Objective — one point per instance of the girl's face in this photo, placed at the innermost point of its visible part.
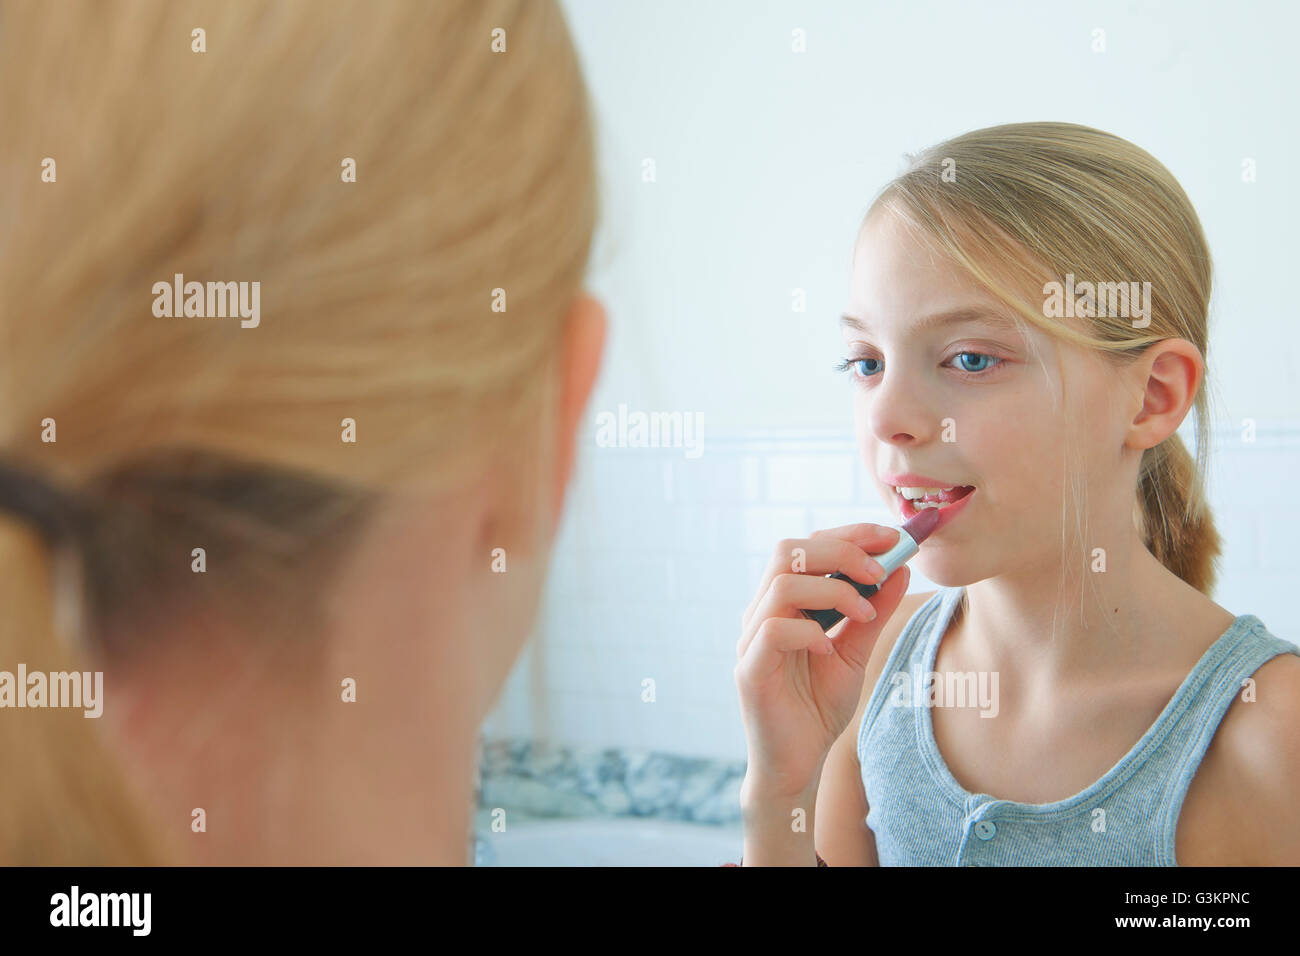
(948, 389)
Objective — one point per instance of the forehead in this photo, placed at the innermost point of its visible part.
(896, 274)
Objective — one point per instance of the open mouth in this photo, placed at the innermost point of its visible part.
(915, 500)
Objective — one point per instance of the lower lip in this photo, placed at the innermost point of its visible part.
(946, 515)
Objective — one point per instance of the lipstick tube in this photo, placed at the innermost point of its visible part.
(915, 530)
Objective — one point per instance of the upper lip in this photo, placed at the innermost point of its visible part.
(910, 480)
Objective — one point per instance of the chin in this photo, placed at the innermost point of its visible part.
(946, 573)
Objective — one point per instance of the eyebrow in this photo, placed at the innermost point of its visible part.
(966, 314)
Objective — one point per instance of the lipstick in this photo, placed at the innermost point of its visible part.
(915, 530)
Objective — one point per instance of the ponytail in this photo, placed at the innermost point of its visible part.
(1173, 516)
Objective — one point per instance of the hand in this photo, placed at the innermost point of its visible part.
(799, 686)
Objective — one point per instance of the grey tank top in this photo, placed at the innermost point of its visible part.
(921, 816)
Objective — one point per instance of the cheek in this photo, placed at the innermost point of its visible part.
(1027, 413)
(1016, 445)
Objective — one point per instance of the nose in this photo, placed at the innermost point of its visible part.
(900, 412)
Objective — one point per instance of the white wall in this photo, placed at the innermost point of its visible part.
(766, 161)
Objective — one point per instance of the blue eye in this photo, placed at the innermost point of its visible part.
(861, 368)
(981, 366)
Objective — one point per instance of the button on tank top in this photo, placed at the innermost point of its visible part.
(921, 816)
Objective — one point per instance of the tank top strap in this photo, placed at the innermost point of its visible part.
(908, 650)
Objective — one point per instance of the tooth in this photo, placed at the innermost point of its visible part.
(918, 505)
(909, 492)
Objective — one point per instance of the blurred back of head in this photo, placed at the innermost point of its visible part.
(424, 302)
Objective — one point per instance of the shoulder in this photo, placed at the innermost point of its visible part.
(1262, 726)
(1251, 767)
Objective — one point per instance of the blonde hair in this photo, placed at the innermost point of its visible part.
(1023, 203)
(474, 173)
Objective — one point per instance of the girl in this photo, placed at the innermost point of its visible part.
(1005, 345)
(286, 533)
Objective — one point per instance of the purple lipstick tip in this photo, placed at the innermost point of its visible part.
(921, 524)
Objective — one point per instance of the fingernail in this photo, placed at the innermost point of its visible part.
(866, 608)
(875, 569)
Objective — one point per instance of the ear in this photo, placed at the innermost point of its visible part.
(1166, 377)
(584, 344)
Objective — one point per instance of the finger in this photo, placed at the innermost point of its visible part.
(775, 638)
(789, 593)
(855, 638)
(821, 556)
(786, 559)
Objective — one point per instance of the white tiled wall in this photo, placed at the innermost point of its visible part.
(660, 554)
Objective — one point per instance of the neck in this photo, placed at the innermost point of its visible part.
(284, 779)
(395, 805)
(1062, 625)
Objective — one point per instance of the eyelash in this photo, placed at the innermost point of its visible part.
(847, 366)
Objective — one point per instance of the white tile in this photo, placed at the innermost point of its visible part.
(629, 473)
(1276, 549)
(751, 479)
(711, 479)
(692, 528)
(710, 576)
(764, 527)
(813, 479)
